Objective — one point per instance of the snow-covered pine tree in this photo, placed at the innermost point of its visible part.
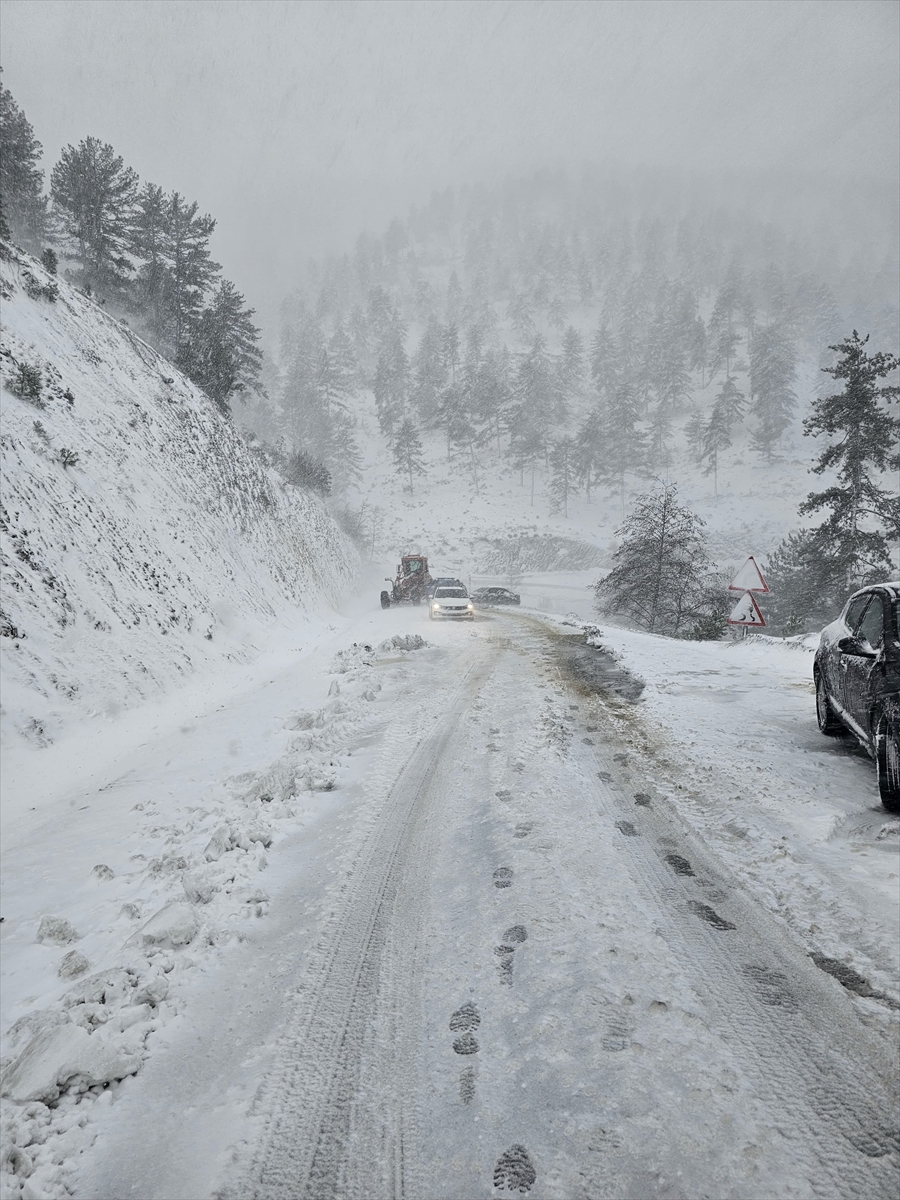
(563, 473)
(605, 365)
(660, 567)
(429, 373)
(93, 202)
(862, 515)
(21, 178)
(716, 432)
(571, 363)
(624, 442)
(407, 451)
(192, 271)
(223, 356)
(772, 371)
(391, 384)
(149, 245)
(589, 448)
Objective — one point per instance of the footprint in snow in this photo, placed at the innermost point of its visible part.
(503, 794)
(617, 1035)
(605, 776)
(679, 865)
(467, 1085)
(523, 829)
(514, 1170)
(710, 915)
(465, 1018)
(503, 877)
(514, 936)
(627, 828)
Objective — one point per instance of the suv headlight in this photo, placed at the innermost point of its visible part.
(470, 606)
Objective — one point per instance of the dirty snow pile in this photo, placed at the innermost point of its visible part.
(87, 986)
(141, 539)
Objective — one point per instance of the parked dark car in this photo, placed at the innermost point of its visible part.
(857, 675)
(495, 595)
(442, 581)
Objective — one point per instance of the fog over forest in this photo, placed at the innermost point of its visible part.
(299, 126)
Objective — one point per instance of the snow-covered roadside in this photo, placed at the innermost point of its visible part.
(726, 732)
(128, 876)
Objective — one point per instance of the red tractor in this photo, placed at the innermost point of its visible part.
(411, 584)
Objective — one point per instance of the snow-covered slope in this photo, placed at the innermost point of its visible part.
(161, 547)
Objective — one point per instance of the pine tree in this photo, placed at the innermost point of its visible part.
(571, 363)
(191, 269)
(535, 405)
(223, 356)
(862, 515)
(94, 195)
(716, 433)
(21, 178)
(407, 450)
(563, 473)
(716, 438)
(772, 371)
(605, 364)
(657, 580)
(149, 244)
(391, 385)
(625, 444)
(429, 373)
(694, 430)
(589, 448)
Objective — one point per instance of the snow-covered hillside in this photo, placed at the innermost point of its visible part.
(141, 538)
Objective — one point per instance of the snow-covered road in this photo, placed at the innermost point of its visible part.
(497, 957)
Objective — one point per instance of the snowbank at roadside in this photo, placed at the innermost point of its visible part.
(164, 868)
(141, 539)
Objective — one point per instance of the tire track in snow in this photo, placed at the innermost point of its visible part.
(336, 1118)
(813, 1060)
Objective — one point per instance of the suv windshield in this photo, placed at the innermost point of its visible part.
(451, 593)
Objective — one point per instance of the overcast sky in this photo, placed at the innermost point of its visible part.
(297, 124)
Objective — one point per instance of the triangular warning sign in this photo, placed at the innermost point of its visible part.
(749, 578)
(746, 612)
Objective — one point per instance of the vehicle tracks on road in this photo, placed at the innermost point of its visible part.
(335, 1118)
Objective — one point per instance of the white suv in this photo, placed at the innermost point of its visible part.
(451, 602)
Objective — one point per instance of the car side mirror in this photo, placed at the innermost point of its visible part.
(852, 645)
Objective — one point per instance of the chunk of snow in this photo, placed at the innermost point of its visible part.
(56, 1056)
(74, 963)
(173, 926)
(56, 930)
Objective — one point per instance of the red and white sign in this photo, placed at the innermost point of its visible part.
(749, 578)
(746, 612)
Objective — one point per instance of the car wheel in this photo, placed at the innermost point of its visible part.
(385, 600)
(829, 724)
(887, 763)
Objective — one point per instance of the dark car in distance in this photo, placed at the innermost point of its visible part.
(495, 595)
(442, 581)
(857, 677)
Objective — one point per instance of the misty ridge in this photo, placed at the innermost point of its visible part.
(592, 334)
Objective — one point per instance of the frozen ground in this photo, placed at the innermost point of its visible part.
(455, 920)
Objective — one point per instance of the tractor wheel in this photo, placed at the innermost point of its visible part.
(385, 599)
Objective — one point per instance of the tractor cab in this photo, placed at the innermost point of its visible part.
(411, 581)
